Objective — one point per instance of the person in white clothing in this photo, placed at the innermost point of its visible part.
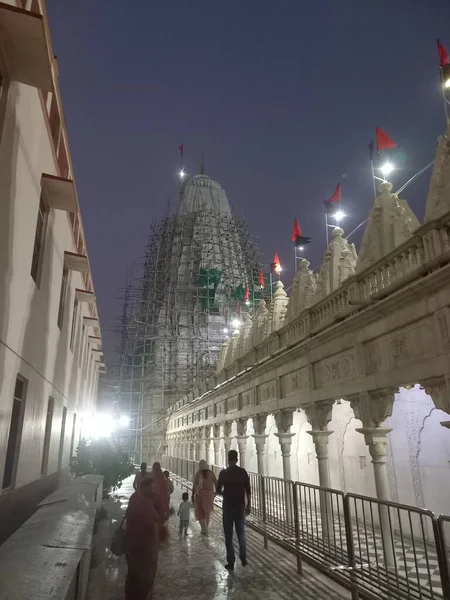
(184, 512)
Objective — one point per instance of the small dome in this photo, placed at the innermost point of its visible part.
(201, 193)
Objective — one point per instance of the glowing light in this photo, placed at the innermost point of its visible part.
(124, 421)
(99, 426)
(182, 174)
(447, 83)
(339, 215)
(247, 302)
(236, 323)
(225, 330)
(301, 248)
(387, 168)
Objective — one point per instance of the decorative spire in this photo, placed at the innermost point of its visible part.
(338, 264)
(391, 222)
(202, 165)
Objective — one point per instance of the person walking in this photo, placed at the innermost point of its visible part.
(203, 493)
(234, 486)
(183, 512)
(140, 476)
(144, 515)
(163, 491)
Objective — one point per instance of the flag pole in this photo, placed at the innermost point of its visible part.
(326, 227)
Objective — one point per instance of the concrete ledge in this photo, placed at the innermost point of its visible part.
(50, 554)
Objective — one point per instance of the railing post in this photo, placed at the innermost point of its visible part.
(296, 528)
(263, 510)
(439, 536)
(350, 549)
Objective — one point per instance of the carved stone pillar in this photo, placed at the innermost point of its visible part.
(206, 443)
(260, 437)
(319, 415)
(242, 437)
(227, 436)
(192, 444)
(216, 442)
(284, 421)
(373, 408)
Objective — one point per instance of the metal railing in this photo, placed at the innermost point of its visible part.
(375, 548)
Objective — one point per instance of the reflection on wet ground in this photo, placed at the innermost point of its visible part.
(192, 568)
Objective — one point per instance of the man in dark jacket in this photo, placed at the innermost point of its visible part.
(234, 486)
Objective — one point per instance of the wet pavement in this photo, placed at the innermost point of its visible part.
(192, 568)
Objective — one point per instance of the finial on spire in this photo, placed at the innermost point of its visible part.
(202, 165)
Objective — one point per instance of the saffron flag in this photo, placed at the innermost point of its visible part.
(384, 142)
(276, 265)
(296, 232)
(246, 295)
(336, 197)
(444, 59)
(181, 149)
(261, 279)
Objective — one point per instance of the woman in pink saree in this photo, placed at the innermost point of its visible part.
(203, 494)
(163, 491)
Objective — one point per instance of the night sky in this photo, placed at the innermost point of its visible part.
(282, 97)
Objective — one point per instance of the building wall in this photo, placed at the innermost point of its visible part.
(31, 343)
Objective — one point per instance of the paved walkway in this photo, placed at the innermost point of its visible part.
(192, 568)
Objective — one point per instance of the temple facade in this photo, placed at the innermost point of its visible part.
(345, 383)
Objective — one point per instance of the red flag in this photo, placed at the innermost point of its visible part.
(261, 279)
(384, 142)
(336, 197)
(181, 149)
(246, 295)
(296, 232)
(276, 264)
(443, 55)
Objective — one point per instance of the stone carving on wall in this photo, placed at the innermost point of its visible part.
(247, 398)
(319, 414)
(232, 404)
(438, 200)
(339, 367)
(245, 335)
(222, 361)
(391, 222)
(267, 391)
(297, 380)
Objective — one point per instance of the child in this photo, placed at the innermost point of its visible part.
(183, 513)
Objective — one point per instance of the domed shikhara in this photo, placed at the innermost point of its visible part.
(201, 193)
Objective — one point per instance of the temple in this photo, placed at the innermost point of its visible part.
(177, 313)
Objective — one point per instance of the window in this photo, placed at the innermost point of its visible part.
(81, 347)
(38, 240)
(74, 322)
(61, 439)
(15, 433)
(72, 441)
(47, 435)
(62, 296)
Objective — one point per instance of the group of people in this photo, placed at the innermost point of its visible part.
(149, 509)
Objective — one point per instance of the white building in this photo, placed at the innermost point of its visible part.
(50, 355)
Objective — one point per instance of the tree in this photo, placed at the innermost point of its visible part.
(102, 457)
